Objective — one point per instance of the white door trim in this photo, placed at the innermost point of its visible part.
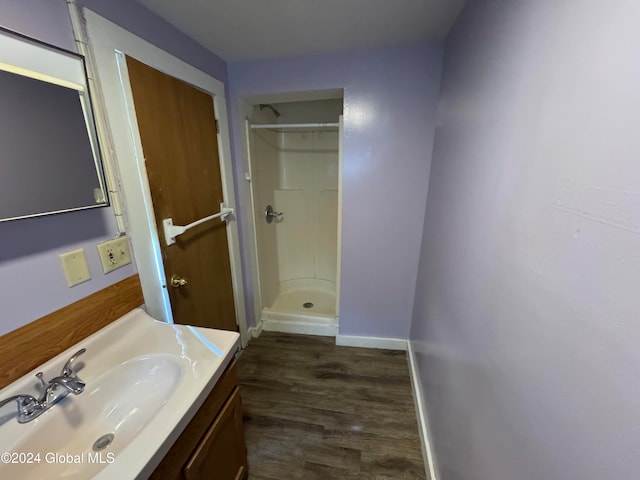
(251, 214)
(109, 43)
(339, 239)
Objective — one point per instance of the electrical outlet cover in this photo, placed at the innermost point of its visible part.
(114, 254)
(75, 267)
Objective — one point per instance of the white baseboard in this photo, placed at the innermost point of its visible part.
(371, 342)
(255, 332)
(423, 423)
(299, 327)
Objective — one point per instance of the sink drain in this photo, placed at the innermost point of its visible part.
(307, 305)
(103, 442)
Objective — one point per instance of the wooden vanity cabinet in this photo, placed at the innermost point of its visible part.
(212, 446)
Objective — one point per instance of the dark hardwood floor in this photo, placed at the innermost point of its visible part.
(313, 410)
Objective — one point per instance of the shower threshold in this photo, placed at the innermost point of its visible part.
(305, 324)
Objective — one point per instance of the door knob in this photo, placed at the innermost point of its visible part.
(177, 281)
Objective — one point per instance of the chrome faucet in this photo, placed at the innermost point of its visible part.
(30, 408)
(69, 385)
(68, 380)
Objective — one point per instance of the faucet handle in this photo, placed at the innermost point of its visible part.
(67, 371)
(26, 405)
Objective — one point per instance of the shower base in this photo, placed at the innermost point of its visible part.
(305, 307)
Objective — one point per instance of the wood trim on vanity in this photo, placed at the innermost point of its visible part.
(24, 349)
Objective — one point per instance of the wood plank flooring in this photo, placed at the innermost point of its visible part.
(313, 410)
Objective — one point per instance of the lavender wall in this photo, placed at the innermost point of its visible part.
(389, 108)
(45, 20)
(32, 283)
(526, 315)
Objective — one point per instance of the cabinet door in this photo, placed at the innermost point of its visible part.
(221, 455)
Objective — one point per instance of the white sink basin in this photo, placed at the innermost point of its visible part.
(144, 382)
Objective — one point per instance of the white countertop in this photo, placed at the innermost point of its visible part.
(194, 359)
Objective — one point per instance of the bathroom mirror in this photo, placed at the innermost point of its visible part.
(50, 158)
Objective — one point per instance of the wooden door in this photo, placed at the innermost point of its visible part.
(177, 127)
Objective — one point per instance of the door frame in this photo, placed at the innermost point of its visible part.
(253, 234)
(109, 44)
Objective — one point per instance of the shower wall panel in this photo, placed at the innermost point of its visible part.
(327, 235)
(295, 254)
(264, 160)
(308, 196)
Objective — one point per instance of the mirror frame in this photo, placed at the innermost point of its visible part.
(33, 58)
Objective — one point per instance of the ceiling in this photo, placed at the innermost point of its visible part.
(253, 29)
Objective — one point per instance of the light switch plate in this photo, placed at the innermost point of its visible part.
(75, 267)
(114, 254)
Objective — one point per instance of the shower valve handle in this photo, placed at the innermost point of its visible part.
(270, 214)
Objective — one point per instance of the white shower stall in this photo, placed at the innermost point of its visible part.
(294, 173)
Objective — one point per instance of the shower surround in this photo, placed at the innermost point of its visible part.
(296, 171)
